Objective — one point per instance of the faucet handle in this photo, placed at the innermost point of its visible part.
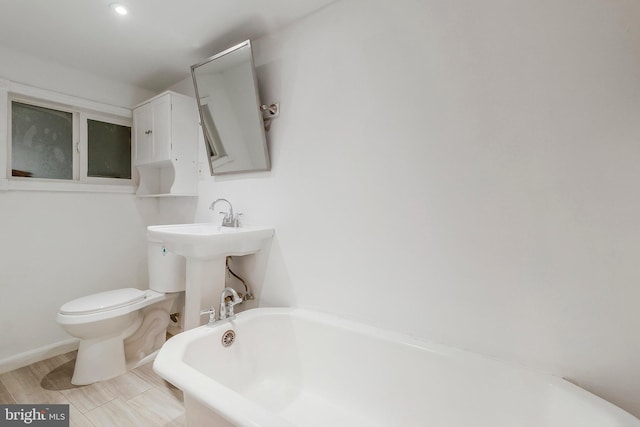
(227, 221)
(230, 219)
(211, 311)
(236, 220)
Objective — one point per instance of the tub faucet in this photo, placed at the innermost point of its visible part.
(230, 219)
(226, 307)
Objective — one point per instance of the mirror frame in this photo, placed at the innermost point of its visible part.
(209, 144)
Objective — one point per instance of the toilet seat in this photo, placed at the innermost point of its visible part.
(103, 301)
(97, 308)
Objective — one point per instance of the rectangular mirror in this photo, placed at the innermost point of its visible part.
(230, 116)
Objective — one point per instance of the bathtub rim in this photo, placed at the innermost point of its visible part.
(237, 409)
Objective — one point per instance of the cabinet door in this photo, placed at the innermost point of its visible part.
(162, 128)
(143, 136)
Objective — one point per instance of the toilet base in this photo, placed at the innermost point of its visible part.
(141, 334)
(110, 353)
(112, 341)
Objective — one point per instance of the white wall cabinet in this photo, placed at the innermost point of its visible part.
(165, 142)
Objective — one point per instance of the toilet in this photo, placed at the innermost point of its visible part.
(124, 328)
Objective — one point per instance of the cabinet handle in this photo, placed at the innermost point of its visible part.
(148, 132)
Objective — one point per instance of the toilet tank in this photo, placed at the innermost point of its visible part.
(167, 271)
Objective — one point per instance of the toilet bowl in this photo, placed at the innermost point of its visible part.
(123, 328)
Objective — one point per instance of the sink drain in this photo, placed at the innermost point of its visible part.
(228, 338)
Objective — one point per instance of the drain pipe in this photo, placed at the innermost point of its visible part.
(247, 293)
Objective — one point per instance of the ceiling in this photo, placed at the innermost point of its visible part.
(153, 46)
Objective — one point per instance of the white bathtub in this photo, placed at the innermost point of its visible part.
(292, 367)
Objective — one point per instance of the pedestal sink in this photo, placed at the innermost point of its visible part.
(205, 247)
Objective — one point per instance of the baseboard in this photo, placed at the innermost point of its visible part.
(38, 354)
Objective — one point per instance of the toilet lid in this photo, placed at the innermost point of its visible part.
(103, 301)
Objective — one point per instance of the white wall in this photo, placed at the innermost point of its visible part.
(60, 246)
(462, 171)
(27, 69)
(56, 246)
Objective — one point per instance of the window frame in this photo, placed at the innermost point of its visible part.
(82, 110)
(84, 148)
(74, 143)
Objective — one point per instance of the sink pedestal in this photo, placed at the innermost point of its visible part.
(204, 284)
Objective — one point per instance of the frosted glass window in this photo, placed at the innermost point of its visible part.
(109, 150)
(41, 142)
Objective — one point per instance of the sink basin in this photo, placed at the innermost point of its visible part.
(208, 241)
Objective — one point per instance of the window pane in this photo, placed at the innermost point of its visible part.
(41, 142)
(109, 150)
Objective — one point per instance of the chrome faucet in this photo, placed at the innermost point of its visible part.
(230, 219)
(226, 307)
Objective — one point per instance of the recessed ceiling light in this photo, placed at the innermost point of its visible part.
(119, 9)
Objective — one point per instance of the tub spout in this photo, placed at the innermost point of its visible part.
(226, 307)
